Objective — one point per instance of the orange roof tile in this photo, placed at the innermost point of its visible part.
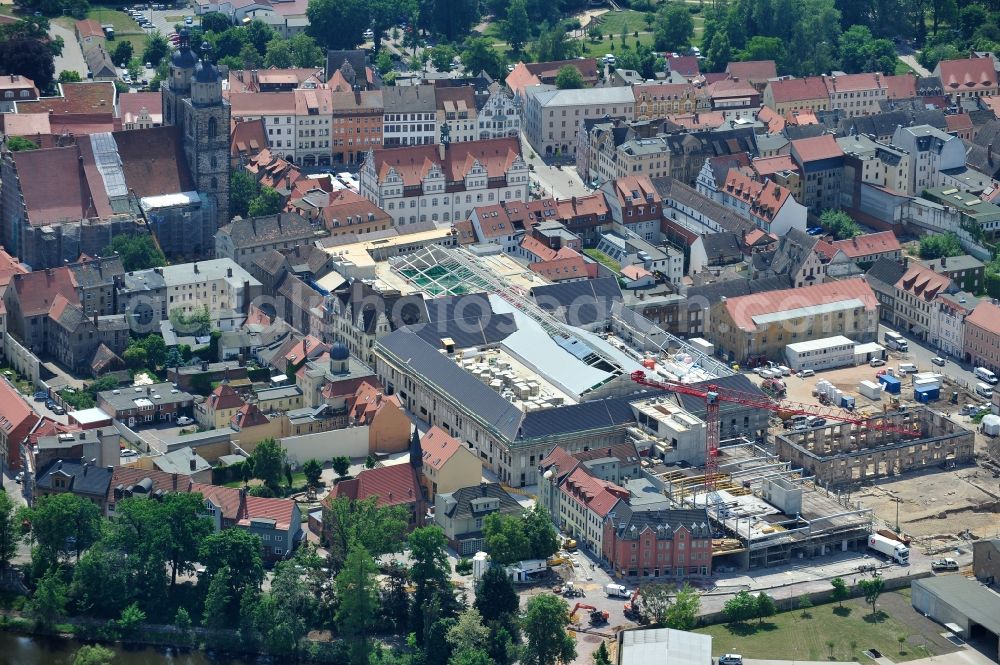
(393, 485)
(413, 163)
(799, 90)
(867, 245)
(986, 316)
(438, 447)
(765, 198)
(923, 283)
(967, 74)
(742, 309)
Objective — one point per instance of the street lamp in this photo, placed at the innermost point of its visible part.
(898, 501)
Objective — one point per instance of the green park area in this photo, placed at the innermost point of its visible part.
(835, 633)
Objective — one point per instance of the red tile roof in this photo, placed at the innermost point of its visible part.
(700, 120)
(438, 447)
(986, 316)
(923, 283)
(565, 268)
(128, 477)
(866, 245)
(765, 198)
(970, 74)
(582, 206)
(592, 493)
(368, 401)
(775, 121)
(685, 65)
(798, 90)
(279, 510)
(742, 309)
(635, 272)
(635, 190)
(153, 161)
(958, 122)
(854, 82)
(88, 97)
(37, 291)
(901, 86)
(25, 124)
(765, 166)
(60, 184)
(413, 163)
(9, 266)
(249, 415)
(227, 499)
(15, 412)
(248, 137)
(224, 397)
(393, 485)
(132, 103)
(816, 148)
(753, 71)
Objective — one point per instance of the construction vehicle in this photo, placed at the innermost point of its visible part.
(570, 590)
(631, 608)
(556, 560)
(569, 545)
(597, 617)
(715, 395)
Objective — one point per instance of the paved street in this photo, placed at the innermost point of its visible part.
(910, 60)
(552, 181)
(71, 59)
(921, 353)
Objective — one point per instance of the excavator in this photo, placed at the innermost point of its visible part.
(631, 609)
(597, 617)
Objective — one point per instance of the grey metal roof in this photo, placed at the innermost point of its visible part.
(964, 262)
(584, 302)
(969, 597)
(409, 99)
(254, 231)
(630, 522)
(80, 478)
(551, 96)
(409, 349)
(125, 397)
(462, 506)
(887, 271)
(596, 414)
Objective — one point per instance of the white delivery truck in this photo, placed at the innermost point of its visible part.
(893, 549)
(524, 572)
(895, 341)
(616, 591)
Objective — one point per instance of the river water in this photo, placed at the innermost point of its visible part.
(36, 650)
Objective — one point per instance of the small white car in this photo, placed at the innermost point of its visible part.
(128, 454)
(876, 362)
(807, 373)
(938, 360)
(184, 420)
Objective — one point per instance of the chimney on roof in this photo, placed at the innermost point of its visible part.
(149, 390)
(989, 153)
(482, 488)
(204, 365)
(229, 272)
(195, 267)
(442, 148)
(944, 261)
(194, 462)
(110, 468)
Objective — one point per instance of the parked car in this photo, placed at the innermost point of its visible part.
(806, 373)
(19, 478)
(58, 410)
(184, 420)
(50, 404)
(731, 659)
(938, 360)
(128, 454)
(188, 20)
(876, 362)
(41, 396)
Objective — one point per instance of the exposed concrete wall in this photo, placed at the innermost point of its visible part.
(843, 453)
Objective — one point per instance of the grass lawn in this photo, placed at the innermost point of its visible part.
(613, 22)
(902, 68)
(122, 22)
(601, 257)
(799, 636)
(592, 50)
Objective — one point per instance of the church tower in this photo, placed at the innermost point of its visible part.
(192, 101)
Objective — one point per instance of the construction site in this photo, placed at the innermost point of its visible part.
(842, 453)
(765, 511)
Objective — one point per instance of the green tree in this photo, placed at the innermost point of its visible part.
(30, 58)
(656, 602)
(282, 617)
(184, 528)
(429, 573)
(594, 33)
(268, 202)
(496, 598)
(380, 530)
(764, 606)
(569, 78)
(468, 633)
(971, 18)
(156, 49)
(305, 52)
(872, 588)
(544, 625)
(471, 657)
(48, 603)
(69, 76)
(442, 56)
(839, 591)
(197, 323)
(312, 470)
(357, 590)
(934, 246)
(479, 56)
(505, 538)
(840, 224)
(64, 524)
(121, 53)
(601, 656)
(130, 619)
(674, 27)
(516, 28)
(138, 252)
(683, 613)
(269, 462)
(329, 18)
(861, 52)
(553, 43)
(541, 533)
(764, 48)
(341, 465)
(740, 607)
(138, 533)
(10, 534)
(278, 54)
(135, 357)
(20, 144)
(93, 655)
(249, 57)
(182, 620)
(239, 552)
(370, 462)
(383, 62)
(242, 190)
(218, 600)
(719, 51)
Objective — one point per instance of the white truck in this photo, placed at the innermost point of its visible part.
(524, 572)
(893, 549)
(616, 591)
(895, 341)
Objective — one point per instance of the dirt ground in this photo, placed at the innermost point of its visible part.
(938, 508)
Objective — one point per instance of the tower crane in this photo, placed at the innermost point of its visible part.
(715, 395)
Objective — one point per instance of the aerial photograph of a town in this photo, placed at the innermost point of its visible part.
(500, 332)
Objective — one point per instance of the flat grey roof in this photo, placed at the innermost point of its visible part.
(969, 597)
(657, 646)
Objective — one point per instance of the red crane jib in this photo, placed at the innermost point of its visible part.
(714, 395)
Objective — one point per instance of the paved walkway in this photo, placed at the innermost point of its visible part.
(71, 59)
(911, 62)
